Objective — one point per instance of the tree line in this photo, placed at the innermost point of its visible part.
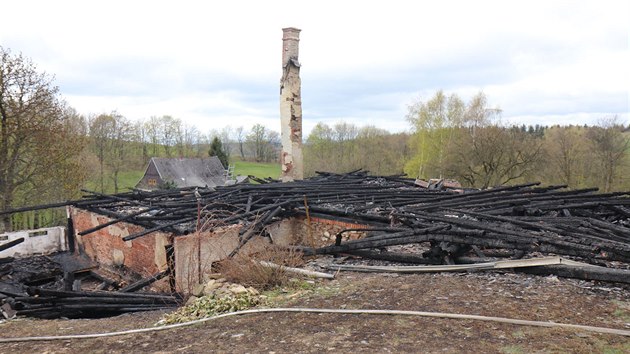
(467, 141)
(49, 152)
(478, 151)
(117, 144)
(345, 147)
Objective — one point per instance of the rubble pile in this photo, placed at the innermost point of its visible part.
(511, 221)
(50, 287)
(403, 220)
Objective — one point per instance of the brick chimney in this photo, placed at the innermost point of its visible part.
(291, 107)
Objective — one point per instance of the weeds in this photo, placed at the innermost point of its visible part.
(247, 270)
(622, 311)
(208, 306)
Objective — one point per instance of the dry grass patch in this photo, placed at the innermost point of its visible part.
(248, 270)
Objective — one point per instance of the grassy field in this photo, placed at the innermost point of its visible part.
(128, 179)
(260, 170)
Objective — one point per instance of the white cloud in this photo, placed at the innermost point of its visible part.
(218, 63)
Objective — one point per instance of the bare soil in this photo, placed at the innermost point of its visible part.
(492, 294)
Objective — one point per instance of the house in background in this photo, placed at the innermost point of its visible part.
(183, 172)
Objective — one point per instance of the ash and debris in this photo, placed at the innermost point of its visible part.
(404, 220)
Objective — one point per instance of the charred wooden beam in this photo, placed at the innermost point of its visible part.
(7, 245)
(115, 221)
(35, 291)
(144, 282)
(586, 273)
(158, 228)
(393, 257)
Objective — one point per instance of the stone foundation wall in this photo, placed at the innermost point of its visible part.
(322, 232)
(196, 253)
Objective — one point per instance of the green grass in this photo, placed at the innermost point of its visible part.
(622, 310)
(258, 169)
(126, 180)
(512, 349)
(615, 348)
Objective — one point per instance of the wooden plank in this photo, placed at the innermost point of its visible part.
(514, 263)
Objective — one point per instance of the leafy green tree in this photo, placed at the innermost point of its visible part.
(39, 136)
(216, 149)
(433, 122)
(465, 141)
(318, 150)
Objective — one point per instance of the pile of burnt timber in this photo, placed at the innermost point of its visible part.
(514, 220)
(47, 303)
(31, 287)
(451, 225)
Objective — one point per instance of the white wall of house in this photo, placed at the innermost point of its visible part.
(39, 241)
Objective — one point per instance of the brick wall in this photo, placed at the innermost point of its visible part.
(146, 255)
(143, 256)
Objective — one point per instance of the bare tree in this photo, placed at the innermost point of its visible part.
(240, 139)
(142, 138)
(610, 148)
(226, 140)
(272, 151)
(102, 130)
(119, 147)
(169, 128)
(263, 142)
(495, 156)
(368, 148)
(179, 139)
(343, 134)
(565, 149)
(191, 139)
(153, 128)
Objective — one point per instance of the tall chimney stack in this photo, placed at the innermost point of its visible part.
(291, 107)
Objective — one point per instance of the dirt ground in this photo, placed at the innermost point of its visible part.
(504, 295)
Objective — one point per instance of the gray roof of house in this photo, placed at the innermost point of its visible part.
(190, 172)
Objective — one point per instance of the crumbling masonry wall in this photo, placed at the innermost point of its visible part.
(143, 256)
(317, 231)
(196, 253)
(211, 247)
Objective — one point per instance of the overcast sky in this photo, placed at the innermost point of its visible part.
(218, 63)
